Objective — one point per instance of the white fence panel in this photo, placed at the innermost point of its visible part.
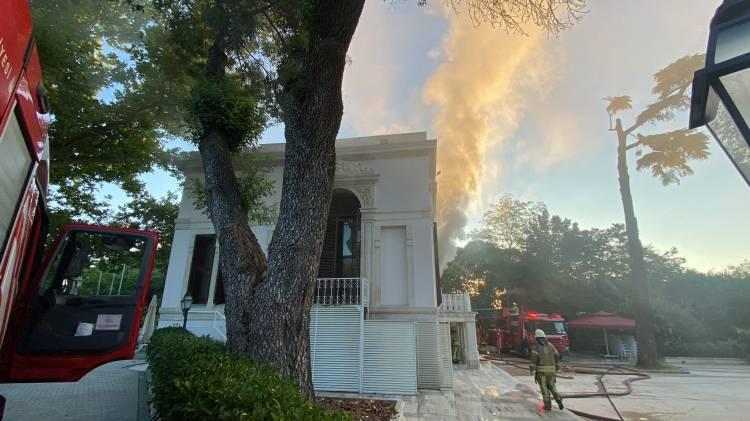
(390, 358)
(429, 360)
(335, 347)
(446, 358)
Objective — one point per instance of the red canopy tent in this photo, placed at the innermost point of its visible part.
(604, 321)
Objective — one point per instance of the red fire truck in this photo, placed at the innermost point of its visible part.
(78, 305)
(514, 330)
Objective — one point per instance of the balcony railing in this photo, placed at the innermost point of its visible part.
(456, 302)
(342, 291)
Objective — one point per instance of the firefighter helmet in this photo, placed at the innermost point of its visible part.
(539, 334)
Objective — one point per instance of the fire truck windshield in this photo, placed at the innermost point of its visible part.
(551, 328)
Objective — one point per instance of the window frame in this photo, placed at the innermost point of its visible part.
(14, 115)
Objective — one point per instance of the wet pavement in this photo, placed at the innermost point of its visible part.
(112, 392)
(713, 389)
(487, 393)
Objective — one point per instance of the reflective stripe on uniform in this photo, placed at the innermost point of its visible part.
(545, 369)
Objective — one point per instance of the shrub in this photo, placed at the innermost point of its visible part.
(744, 337)
(198, 379)
(720, 349)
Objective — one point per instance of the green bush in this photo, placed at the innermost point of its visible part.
(744, 337)
(197, 379)
(728, 348)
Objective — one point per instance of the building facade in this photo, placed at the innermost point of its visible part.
(379, 253)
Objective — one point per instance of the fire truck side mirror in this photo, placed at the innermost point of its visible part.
(43, 98)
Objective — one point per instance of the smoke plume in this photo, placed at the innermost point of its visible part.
(479, 92)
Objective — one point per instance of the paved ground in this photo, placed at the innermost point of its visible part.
(485, 394)
(111, 392)
(714, 389)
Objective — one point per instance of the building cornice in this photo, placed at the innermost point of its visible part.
(350, 149)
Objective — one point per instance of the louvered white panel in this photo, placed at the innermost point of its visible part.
(335, 352)
(390, 358)
(446, 358)
(428, 355)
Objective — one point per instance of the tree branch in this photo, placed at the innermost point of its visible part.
(637, 124)
(282, 40)
(263, 9)
(633, 145)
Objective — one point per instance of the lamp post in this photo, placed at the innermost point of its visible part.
(721, 90)
(185, 304)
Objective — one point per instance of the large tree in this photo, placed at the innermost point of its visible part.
(296, 51)
(507, 221)
(667, 156)
(107, 125)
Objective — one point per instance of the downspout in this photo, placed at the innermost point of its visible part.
(438, 292)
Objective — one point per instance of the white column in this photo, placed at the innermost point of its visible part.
(470, 340)
(179, 267)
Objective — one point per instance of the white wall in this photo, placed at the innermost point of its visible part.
(403, 185)
(394, 278)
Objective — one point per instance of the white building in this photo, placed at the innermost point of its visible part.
(378, 292)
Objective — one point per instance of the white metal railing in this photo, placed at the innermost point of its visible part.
(220, 324)
(218, 321)
(342, 291)
(456, 302)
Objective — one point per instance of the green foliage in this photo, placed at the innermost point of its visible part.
(152, 214)
(230, 108)
(558, 267)
(106, 127)
(727, 348)
(196, 378)
(506, 223)
(254, 186)
(744, 339)
(232, 99)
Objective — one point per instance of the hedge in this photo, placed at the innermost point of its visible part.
(728, 348)
(196, 378)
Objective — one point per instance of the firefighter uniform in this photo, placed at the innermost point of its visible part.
(545, 361)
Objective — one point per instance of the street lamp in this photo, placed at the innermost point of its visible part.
(721, 90)
(186, 303)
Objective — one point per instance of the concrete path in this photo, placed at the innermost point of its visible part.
(485, 394)
(714, 389)
(112, 392)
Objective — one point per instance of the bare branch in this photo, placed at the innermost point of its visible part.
(554, 16)
(633, 145)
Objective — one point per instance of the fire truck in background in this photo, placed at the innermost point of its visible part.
(66, 310)
(509, 330)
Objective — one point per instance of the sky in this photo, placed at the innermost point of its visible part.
(525, 115)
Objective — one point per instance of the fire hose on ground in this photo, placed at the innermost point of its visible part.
(600, 370)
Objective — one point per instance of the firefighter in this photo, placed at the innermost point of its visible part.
(545, 362)
(514, 310)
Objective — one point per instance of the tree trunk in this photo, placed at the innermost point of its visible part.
(241, 260)
(312, 108)
(645, 332)
(269, 319)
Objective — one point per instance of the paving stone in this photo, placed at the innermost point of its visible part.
(108, 393)
(486, 393)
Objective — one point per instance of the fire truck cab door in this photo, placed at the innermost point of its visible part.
(87, 309)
